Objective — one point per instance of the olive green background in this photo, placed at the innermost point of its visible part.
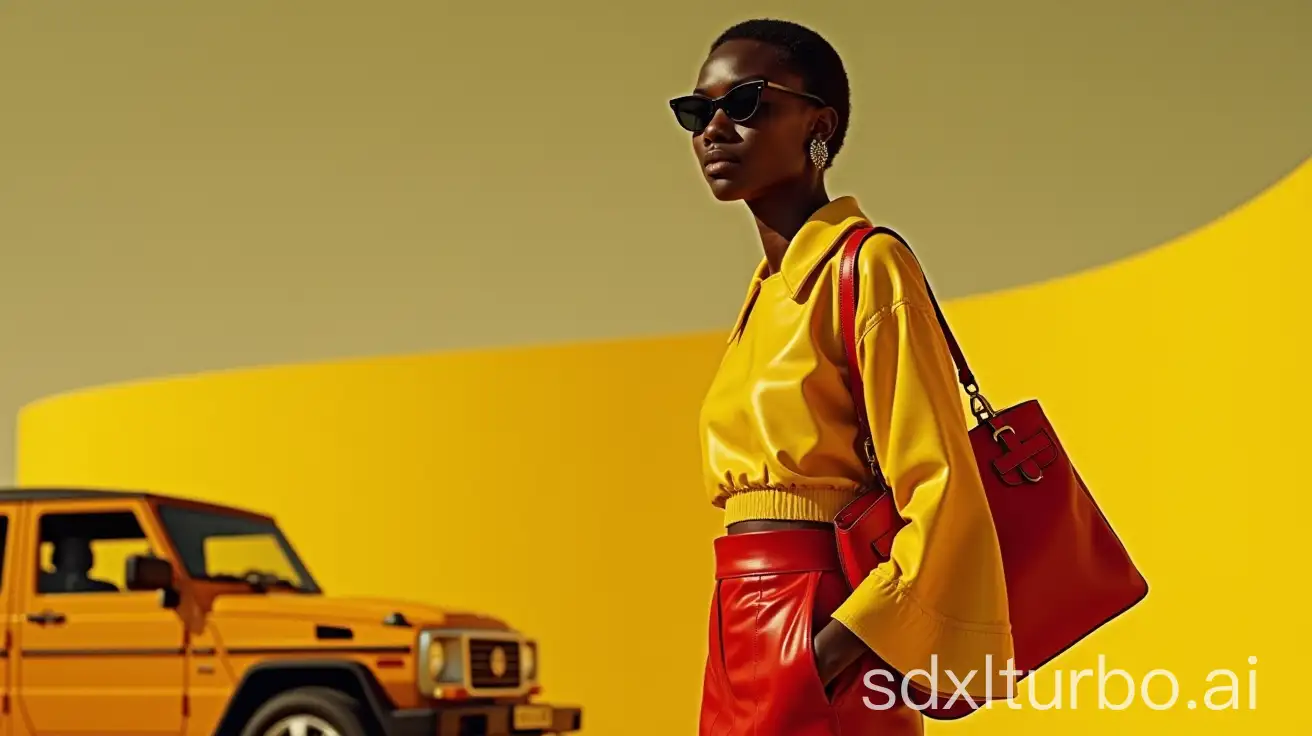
(205, 185)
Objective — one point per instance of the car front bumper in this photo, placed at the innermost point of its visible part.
(484, 719)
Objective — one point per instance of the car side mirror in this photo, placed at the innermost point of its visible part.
(148, 573)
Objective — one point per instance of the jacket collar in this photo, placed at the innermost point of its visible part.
(807, 252)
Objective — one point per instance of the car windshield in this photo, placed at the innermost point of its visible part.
(229, 547)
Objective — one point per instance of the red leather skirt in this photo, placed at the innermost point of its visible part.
(773, 592)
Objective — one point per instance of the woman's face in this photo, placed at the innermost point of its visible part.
(743, 160)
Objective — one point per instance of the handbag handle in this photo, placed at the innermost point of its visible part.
(847, 297)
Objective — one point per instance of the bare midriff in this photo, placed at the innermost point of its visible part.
(771, 525)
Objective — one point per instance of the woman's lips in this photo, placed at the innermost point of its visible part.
(719, 168)
(718, 162)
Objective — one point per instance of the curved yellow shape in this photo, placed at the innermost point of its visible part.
(558, 487)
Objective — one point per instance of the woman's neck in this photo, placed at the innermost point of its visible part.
(781, 213)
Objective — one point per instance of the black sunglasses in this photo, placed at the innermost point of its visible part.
(694, 112)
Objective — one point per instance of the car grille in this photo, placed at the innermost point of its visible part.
(482, 674)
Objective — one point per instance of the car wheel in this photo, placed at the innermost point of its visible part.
(309, 711)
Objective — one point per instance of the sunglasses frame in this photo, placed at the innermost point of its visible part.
(717, 103)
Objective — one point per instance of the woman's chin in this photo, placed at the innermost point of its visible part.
(726, 190)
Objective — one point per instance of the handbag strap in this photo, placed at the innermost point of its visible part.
(847, 296)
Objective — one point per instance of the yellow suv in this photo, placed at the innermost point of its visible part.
(144, 614)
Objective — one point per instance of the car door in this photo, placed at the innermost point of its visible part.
(8, 517)
(94, 657)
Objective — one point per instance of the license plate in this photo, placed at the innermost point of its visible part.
(532, 716)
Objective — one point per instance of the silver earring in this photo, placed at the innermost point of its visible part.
(819, 153)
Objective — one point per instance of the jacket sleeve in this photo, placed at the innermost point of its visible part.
(939, 605)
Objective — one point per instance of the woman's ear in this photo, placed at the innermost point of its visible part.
(826, 122)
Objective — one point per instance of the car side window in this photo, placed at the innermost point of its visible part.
(87, 552)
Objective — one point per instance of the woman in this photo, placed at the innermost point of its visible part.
(793, 651)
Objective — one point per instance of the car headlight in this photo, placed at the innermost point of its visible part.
(529, 660)
(436, 659)
(439, 662)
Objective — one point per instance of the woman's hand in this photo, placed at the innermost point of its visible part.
(836, 648)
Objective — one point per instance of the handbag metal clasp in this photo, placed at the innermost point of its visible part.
(872, 461)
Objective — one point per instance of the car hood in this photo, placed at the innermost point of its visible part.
(326, 609)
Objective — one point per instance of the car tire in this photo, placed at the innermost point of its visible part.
(326, 712)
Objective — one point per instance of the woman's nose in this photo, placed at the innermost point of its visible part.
(720, 128)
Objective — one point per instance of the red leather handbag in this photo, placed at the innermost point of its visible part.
(1067, 573)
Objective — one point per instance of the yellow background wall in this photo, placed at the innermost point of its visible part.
(558, 486)
(187, 187)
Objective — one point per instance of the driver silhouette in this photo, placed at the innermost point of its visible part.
(73, 559)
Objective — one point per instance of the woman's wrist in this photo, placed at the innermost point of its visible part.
(836, 649)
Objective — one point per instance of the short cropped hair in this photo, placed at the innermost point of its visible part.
(811, 57)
